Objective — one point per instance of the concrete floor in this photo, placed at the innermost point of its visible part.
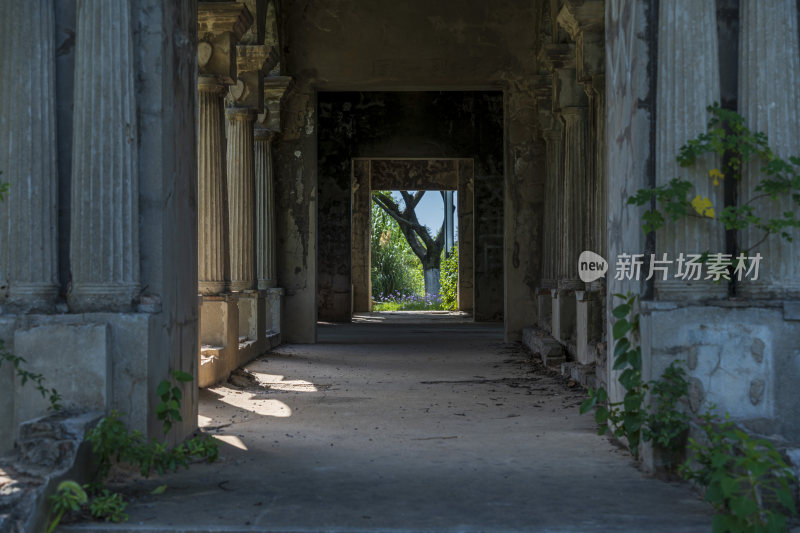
(386, 426)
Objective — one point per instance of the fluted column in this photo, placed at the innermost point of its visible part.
(241, 198)
(682, 97)
(573, 208)
(265, 209)
(554, 191)
(599, 190)
(28, 249)
(104, 240)
(769, 100)
(212, 234)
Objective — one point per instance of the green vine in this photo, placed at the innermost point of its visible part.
(728, 137)
(664, 422)
(51, 395)
(169, 409)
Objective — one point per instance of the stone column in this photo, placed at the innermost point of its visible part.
(241, 198)
(28, 249)
(104, 239)
(220, 25)
(598, 88)
(682, 97)
(265, 209)
(212, 234)
(769, 100)
(576, 150)
(268, 125)
(554, 191)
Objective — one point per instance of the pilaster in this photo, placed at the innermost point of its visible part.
(104, 238)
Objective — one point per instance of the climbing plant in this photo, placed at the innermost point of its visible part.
(728, 137)
(18, 362)
(25, 376)
(663, 421)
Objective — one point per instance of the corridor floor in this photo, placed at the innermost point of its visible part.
(407, 427)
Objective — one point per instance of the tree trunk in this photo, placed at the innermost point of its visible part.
(432, 272)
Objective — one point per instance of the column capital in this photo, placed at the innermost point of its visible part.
(584, 22)
(566, 90)
(252, 63)
(240, 113)
(275, 88)
(556, 56)
(578, 17)
(220, 25)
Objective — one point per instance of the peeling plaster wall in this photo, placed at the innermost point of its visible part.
(745, 360)
(409, 124)
(414, 45)
(629, 128)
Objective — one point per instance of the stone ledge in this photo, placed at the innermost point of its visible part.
(540, 343)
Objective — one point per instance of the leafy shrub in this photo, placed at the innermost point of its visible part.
(746, 479)
(395, 268)
(108, 506)
(69, 496)
(449, 289)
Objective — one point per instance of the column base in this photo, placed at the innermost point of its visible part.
(31, 298)
(563, 315)
(210, 288)
(588, 326)
(544, 307)
(219, 338)
(690, 290)
(90, 297)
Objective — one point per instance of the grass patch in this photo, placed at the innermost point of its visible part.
(409, 302)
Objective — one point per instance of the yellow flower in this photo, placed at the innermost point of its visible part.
(703, 206)
(716, 175)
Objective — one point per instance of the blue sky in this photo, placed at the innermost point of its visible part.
(430, 210)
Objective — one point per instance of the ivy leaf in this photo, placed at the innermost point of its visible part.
(182, 376)
(621, 327)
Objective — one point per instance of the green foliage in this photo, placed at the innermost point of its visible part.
(746, 479)
(108, 506)
(3, 189)
(449, 280)
(729, 138)
(69, 496)
(665, 424)
(112, 442)
(51, 395)
(628, 416)
(169, 409)
(395, 268)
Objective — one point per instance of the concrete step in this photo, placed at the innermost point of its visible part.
(550, 350)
